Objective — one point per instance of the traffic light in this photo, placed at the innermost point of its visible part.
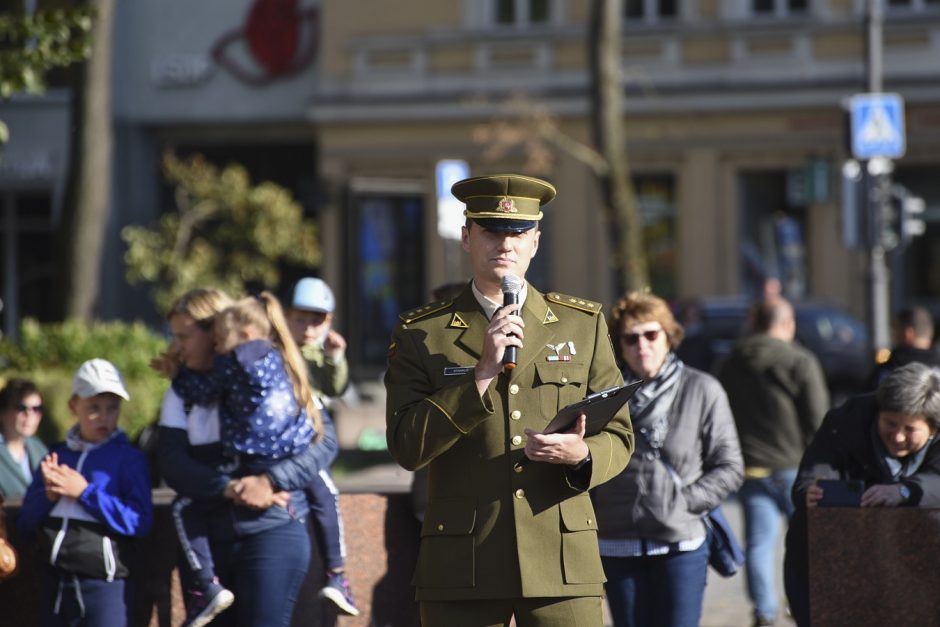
(912, 219)
(908, 211)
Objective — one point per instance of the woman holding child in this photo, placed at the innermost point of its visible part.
(250, 508)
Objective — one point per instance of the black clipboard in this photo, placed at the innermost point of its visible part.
(599, 408)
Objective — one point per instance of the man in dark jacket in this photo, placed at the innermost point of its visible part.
(778, 396)
(912, 329)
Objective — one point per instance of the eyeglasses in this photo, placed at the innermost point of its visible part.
(36, 409)
(632, 339)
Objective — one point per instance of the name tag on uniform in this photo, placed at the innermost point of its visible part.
(456, 371)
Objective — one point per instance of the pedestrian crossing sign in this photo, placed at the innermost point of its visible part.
(877, 126)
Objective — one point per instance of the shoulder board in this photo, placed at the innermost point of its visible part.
(575, 303)
(424, 311)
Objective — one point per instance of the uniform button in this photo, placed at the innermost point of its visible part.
(440, 527)
(513, 389)
(516, 415)
(517, 467)
(590, 522)
(520, 493)
(564, 379)
(516, 440)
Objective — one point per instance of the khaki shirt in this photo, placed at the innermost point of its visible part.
(328, 377)
(493, 528)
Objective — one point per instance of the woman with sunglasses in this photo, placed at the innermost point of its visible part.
(21, 451)
(687, 461)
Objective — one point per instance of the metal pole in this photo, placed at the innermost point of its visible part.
(11, 274)
(879, 185)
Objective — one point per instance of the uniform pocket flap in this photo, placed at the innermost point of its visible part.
(449, 517)
(577, 514)
(561, 372)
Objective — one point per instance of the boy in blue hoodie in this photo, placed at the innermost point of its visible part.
(88, 501)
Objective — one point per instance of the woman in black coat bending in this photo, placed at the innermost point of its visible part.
(886, 440)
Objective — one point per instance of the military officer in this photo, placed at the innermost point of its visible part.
(509, 527)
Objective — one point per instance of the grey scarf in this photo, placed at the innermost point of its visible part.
(649, 407)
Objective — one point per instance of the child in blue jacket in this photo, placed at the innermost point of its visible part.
(87, 503)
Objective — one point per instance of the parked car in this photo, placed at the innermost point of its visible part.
(838, 340)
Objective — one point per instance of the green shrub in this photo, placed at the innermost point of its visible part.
(48, 354)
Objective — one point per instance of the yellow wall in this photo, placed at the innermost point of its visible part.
(710, 50)
(344, 20)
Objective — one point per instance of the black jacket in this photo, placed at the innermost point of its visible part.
(843, 449)
(778, 396)
(901, 356)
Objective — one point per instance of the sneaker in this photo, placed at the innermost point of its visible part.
(205, 605)
(337, 590)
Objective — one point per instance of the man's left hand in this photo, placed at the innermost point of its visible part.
(567, 447)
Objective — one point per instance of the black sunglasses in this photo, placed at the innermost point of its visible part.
(33, 408)
(632, 339)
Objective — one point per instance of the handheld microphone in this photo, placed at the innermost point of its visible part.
(510, 286)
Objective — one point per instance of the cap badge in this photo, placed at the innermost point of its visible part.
(506, 205)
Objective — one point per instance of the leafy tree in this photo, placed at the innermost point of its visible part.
(529, 126)
(88, 188)
(31, 45)
(623, 216)
(226, 232)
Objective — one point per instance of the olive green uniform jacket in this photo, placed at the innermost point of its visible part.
(494, 529)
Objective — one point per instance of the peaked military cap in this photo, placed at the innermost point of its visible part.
(504, 202)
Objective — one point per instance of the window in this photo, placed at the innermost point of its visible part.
(27, 263)
(778, 8)
(772, 225)
(656, 198)
(649, 10)
(385, 270)
(522, 12)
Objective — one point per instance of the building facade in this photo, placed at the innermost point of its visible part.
(734, 113)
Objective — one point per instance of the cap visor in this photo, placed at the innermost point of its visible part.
(498, 225)
(88, 392)
(314, 309)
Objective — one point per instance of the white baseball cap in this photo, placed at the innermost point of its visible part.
(98, 376)
(313, 294)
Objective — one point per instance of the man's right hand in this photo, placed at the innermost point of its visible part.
(505, 329)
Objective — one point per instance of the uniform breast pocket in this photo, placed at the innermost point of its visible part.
(560, 383)
(446, 557)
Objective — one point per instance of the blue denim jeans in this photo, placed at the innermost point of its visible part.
(764, 502)
(327, 521)
(265, 571)
(657, 590)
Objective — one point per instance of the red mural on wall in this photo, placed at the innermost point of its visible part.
(280, 39)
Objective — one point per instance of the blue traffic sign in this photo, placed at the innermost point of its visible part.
(878, 126)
